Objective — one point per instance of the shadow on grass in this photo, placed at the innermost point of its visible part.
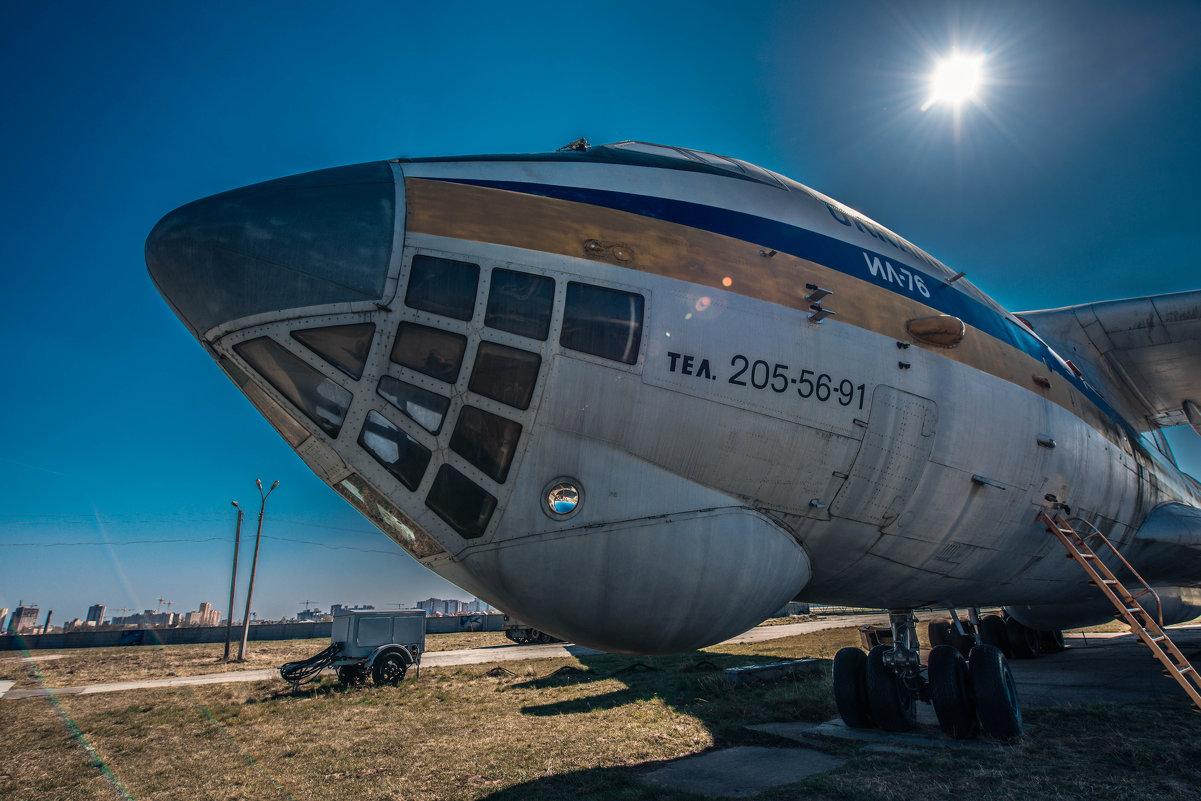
(692, 684)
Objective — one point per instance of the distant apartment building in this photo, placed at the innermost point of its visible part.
(149, 619)
(3, 616)
(310, 615)
(96, 614)
(440, 606)
(341, 609)
(24, 620)
(208, 615)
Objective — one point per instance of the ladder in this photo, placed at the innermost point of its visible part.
(1148, 629)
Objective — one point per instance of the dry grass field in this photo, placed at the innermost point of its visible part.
(91, 665)
(462, 733)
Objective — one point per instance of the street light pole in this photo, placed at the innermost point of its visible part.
(253, 566)
(233, 582)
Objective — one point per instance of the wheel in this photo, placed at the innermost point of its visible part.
(850, 688)
(951, 689)
(964, 643)
(992, 632)
(389, 669)
(997, 706)
(890, 701)
(1051, 642)
(938, 633)
(1023, 642)
(351, 675)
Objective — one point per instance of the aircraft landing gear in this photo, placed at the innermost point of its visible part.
(883, 687)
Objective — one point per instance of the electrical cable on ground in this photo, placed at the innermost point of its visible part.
(297, 673)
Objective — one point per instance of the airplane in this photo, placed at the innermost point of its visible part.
(641, 396)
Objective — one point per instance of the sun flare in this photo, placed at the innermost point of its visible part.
(955, 80)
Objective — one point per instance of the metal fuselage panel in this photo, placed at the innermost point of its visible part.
(747, 453)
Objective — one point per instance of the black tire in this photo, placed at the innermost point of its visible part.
(951, 690)
(892, 704)
(997, 706)
(389, 668)
(1051, 642)
(965, 642)
(850, 688)
(351, 675)
(1023, 641)
(992, 632)
(938, 633)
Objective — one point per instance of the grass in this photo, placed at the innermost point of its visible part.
(527, 733)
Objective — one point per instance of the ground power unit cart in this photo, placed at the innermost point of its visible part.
(379, 645)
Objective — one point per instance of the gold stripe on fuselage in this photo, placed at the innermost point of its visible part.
(650, 245)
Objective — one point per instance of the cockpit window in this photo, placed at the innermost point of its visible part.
(443, 286)
(520, 303)
(427, 409)
(718, 161)
(322, 400)
(459, 501)
(343, 346)
(403, 456)
(603, 322)
(694, 158)
(654, 150)
(432, 351)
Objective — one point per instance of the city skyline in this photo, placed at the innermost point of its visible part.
(1072, 178)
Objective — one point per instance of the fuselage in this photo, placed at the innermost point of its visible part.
(641, 397)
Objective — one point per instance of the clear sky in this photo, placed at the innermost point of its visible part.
(1073, 178)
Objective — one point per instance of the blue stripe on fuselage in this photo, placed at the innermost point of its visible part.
(827, 251)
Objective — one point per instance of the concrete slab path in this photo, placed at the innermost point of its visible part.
(743, 771)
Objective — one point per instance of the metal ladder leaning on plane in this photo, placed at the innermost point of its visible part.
(1146, 627)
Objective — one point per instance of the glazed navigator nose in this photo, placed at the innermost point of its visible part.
(307, 240)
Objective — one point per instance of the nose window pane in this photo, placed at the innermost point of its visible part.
(393, 522)
(505, 374)
(323, 401)
(426, 408)
(443, 286)
(405, 457)
(486, 440)
(459, 501)
(520, 303)
(603, 322)
(432, 351)
(343, 346)
(322, 237)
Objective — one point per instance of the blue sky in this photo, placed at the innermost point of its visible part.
(1074, 179)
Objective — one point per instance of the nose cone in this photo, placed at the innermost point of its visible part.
(307, 240)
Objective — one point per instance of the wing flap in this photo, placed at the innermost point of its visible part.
(1142, 354)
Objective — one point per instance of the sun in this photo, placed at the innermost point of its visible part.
(955, 80)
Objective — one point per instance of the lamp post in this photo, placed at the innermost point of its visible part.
(229, 624)
(253, 565)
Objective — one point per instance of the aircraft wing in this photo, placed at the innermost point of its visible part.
(1142, 354)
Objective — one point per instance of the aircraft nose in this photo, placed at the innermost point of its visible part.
(311, 239)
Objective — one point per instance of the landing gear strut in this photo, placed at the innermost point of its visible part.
(884, 687)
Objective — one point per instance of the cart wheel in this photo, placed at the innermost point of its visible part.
(352, 675)
(389, 669)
